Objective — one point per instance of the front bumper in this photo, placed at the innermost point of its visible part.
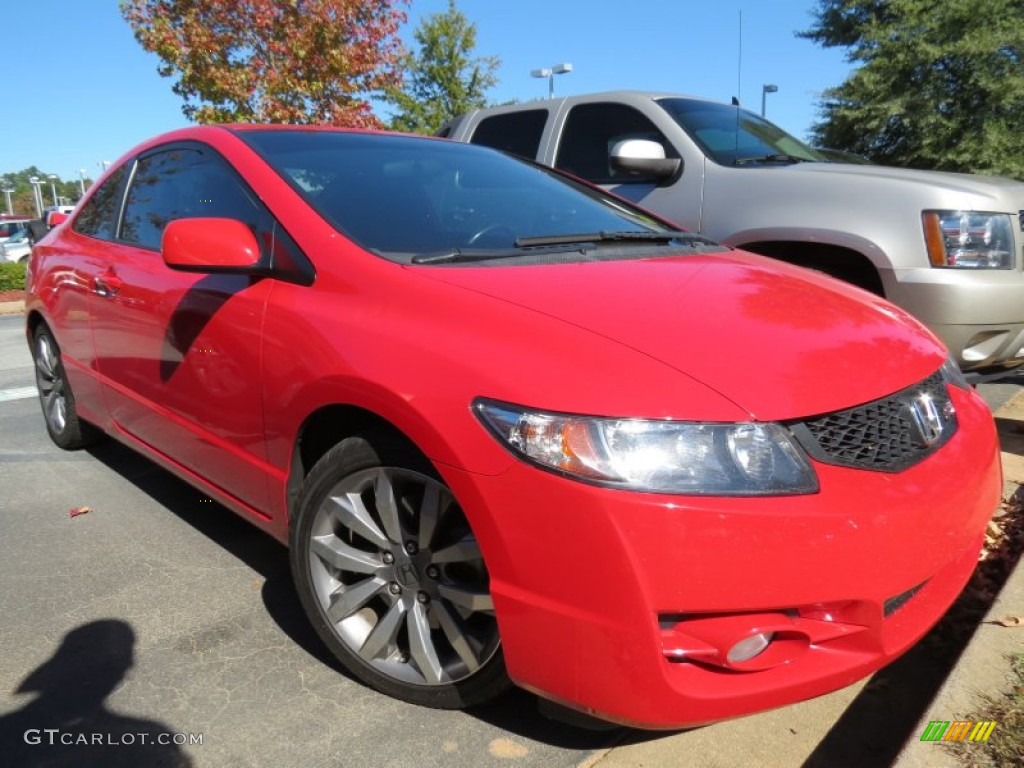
(978, 314)
(597, 591)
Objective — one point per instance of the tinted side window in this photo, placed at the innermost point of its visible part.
(99, 216)
(590, 133)
(182, 183)
(515, 132)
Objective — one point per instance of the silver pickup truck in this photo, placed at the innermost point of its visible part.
(946, 247)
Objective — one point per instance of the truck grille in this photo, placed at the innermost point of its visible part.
(886, 435)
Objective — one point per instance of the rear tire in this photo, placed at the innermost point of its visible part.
(65, 427)
(392, 579)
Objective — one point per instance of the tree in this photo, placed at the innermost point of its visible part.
(23, 196)
(938, 84)
(442, 80)
(288, 61)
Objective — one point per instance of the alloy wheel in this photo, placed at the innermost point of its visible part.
(400, 578)
(52, 388)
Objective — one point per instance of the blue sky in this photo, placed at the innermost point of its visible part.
(90, 92)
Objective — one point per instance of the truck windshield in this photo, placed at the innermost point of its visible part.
(732, 136)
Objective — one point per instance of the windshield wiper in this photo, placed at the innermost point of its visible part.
(780, 158)
(582, 243)
(603, 237)
(455, 255)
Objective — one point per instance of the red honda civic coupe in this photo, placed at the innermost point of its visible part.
(514, 429)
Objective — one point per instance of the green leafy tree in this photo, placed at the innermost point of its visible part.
(285, 61)
(442, 79)
(22, 196)
(936, 85)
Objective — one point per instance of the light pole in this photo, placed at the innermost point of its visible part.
(53, 188)
(81, 180)
(37, 195)
(103, 164)
(549, 72)
(7, 194)
(765, 90)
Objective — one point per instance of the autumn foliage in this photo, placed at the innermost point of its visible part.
(281, 61)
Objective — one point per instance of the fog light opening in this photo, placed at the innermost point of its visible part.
(749, 647)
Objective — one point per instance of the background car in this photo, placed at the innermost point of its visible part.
(12, 228)
(16, 248)
(514, 429)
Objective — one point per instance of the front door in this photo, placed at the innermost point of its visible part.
(179, 352)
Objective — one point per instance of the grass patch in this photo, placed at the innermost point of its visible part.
(1005, 746)
(12, 276)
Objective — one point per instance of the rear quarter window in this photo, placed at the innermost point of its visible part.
(98, 218)
(518, 133)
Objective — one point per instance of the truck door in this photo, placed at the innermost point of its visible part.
(585, 144)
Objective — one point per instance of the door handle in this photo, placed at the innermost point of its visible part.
(106, 285)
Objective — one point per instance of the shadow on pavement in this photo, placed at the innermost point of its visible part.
(516, 712)
(68, 722)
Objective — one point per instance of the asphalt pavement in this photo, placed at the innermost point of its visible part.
(159, 615)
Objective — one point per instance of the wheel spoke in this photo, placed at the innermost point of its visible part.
(460, 552)
(340, 555)
(43, 366)
(453, 630)
(353, 514)
(464, 598)
(421, 646)
(383, 635)
(47, 358)
(53, 407)
(430, 511)
(353, 598)
(387, 505)
(60, 414)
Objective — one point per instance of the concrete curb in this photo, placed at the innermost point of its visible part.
(12, 307)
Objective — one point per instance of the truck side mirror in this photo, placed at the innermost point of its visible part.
(644, 158)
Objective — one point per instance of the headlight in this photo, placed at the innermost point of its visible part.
(968, 239)
(951, 374)
(659, 456)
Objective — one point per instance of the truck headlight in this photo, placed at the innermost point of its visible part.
(747, 459)
(968, 239)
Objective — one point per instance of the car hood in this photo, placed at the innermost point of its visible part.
(779, 341)
(963, 183)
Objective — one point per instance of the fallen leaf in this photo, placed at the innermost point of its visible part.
(1011, 621)
(75, 512)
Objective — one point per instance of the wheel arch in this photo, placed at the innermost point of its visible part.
(849, 257)
(328, 425)
(33, 320)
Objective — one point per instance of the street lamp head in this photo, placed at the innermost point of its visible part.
(33, 180)
(51, 176)
(550, 72)
(770, 88)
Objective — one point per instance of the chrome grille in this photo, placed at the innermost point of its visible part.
(886, 435)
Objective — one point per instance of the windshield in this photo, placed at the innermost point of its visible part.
(732, 136)
(406, 198)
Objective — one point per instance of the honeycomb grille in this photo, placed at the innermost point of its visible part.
(881, 435)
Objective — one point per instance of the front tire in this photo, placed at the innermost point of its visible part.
(392, 579)
(63, 424)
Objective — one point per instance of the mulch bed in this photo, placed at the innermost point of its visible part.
(12, 296)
